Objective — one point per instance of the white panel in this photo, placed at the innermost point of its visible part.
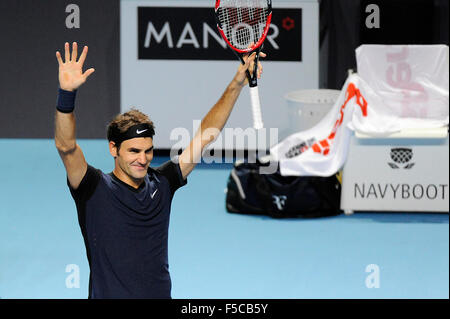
(375, 180)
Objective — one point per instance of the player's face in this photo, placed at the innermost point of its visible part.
(135, 155)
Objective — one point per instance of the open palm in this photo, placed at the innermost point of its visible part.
(71, 75)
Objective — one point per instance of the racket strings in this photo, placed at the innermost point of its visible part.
(243, 22)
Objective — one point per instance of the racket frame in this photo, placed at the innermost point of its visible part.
(252, 80)
(257, 47)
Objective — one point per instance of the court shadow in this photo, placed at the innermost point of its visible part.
(377, 217)
(401, 217)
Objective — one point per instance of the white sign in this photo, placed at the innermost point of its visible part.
(401, 174)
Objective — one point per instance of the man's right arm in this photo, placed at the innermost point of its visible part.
(68, 149)
(71, 78)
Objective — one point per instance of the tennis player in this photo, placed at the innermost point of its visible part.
(124, 215)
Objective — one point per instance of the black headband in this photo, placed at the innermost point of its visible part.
(139, 130)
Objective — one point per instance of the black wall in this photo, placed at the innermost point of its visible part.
(343, 28)
(31, 31)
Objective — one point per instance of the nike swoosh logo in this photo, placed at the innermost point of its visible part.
(154, 193)
(139, 132)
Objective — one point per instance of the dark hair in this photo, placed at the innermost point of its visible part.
(124, 121)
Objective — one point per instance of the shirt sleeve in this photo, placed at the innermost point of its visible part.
(172, 172)
(87, 186)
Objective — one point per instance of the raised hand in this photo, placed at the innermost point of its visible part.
(71, 75)
(249, 62)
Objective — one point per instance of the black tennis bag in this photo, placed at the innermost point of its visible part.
(250, 192)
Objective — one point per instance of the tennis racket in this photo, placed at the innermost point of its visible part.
(243, 24)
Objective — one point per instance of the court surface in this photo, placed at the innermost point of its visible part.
(214, 254)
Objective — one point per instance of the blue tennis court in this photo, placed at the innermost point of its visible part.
(214, 254)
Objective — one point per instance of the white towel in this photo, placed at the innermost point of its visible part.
(396, 88)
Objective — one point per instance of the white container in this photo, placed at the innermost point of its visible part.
(307, 107)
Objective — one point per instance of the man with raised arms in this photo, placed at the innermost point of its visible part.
(124, 215)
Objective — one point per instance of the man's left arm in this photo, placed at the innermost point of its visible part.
(214, 121)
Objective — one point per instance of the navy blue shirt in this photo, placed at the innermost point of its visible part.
(125, 231)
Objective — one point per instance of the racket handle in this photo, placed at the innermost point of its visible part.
(256, 108)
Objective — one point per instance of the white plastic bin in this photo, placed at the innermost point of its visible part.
(307, 107)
